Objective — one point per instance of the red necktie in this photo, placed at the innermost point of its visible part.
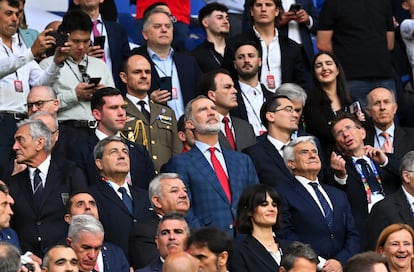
(96, 33)
(221, 174)
(387, 146)
(229, 133)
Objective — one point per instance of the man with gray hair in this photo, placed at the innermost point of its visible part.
(314, 213)
(395, 208)
(85, 236)
(42, 189)
(299, 256)
(167, 193)
(10, 259)
(120, 205)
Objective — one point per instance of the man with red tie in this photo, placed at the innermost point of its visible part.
(215, 176)
(235, 133)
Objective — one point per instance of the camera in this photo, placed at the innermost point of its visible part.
(25, 261)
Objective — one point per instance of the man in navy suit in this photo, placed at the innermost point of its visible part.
(214, 176)
(367, 174)
(42, 189)
(281, 120)
(313, 213)
(116, 46)
(235, 133)
(120, 205)
(85, 237)
(108, 108)
(174, 76)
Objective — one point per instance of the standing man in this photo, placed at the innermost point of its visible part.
(367, 174)
(19, 71)
(214, 175)
(235, 133)
(115, 47)
(251, 94)
(108, 109)
(213, 18)
(212, 247)
(150, 124)
(313, 213)
(172, 233)
(167, 194)
(85, 237)
(120, 205)
(73, 87)
(361, 36)
(174, 76)
(281, 57)
(42, 189)
(384, 133)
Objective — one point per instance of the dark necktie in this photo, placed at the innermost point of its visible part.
(220, 173)
(126, 199)
(144, 111)
(369, 175)
(229, 133)
(324, 203)
(38, 188)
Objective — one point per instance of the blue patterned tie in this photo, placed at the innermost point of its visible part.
(369, 175)
(126, 199)
(324, 203)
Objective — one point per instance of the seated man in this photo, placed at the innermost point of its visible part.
(366, 261)
(299, 257)
(60, 257)
(180, 262)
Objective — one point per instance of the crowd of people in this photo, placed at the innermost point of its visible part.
(249, 153)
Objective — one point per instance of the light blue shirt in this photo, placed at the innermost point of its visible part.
(207, 154)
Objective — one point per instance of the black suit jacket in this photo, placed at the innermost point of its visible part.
(188, 72)
(291, 57)
(241, 111)
(142, 169)
(392, 209)
(118, 48)
(403, 139)
(113, 258)
(355, 190)
(114, 215)
(39, 230)
(244, 135)
(250, 255)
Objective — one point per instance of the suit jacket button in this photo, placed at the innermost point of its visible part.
(231, 226)
(154, 157)
(152, 142)
(151, 127)
(332, 236)
(135, 221)
(39, 239)
(38, 223)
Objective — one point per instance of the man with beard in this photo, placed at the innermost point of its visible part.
(251, 93)
(213, 18)
(215, 177)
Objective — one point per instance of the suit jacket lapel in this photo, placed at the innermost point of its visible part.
(131, 109)
(403, 208)
(108, 192)
(53, 178)
(271, 150)
(258, 250)
(306, 196)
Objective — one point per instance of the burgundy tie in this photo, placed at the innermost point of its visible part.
(221, 174)
(229, 133)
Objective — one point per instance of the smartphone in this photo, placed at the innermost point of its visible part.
(99, 40)
(166, 84)
(295, 7)
(355, 107)
(60, 38)
(94, 80)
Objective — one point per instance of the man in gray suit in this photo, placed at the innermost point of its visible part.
(235, 133)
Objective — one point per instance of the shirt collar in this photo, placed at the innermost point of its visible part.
(258, 34)
(154, 55)
(204, 147)
(43, 167)
(135, 99)
(278, 144)
(390, 130)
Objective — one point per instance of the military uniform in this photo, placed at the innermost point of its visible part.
(159, 136)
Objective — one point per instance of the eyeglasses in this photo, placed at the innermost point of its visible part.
(82, 70)
(39, 104)
(345, 129)
(288, 109)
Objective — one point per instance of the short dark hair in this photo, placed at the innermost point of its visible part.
(344, 115)
(364, 262)
(12, 3)
(181, 123)
(173, 216)
(298, 250)
(69, 203)
(278, 4)
(208, 9)
(252, 197)
(74, 20)
(153, 6)
(270, 106)
(97, 100)
(248, 42)
(207, 81)
(214, 239)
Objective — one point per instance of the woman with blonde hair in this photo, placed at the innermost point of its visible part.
(395, 243)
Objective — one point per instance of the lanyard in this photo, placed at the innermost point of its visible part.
(215, 57)
(163, 73)
(251, 106)
(365, 181)
(8, 55)
(73, 72)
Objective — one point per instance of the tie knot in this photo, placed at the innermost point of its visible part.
(362, 161)
(314, 185)
(122, 190)
(212, 150)
(142, 103)
(225, 120)
(385, 135)
(96, 22)
(37, 171)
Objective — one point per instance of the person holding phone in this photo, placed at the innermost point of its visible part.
(329, 96)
